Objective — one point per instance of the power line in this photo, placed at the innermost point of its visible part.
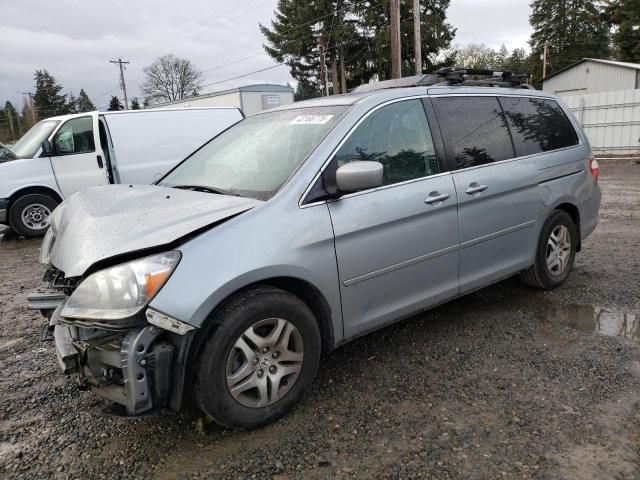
(244, 75)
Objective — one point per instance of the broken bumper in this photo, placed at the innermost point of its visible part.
(132, 369)
(141, 368)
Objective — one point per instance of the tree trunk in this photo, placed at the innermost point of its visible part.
(343, 73)
(323, 64)
(396, 65)
(335, 79)
(417, 41)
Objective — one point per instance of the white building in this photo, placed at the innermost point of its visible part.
(591, 75)
(250, 98)
(605, 97)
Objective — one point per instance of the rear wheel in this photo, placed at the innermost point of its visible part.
(257, 358)
(29, 214)
(555, 253)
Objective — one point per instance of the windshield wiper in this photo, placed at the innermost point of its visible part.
(202, 188)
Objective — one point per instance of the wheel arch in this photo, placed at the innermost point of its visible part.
(574, 213)
(41, 189)
(302, 289)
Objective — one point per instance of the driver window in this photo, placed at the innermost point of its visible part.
(75, 136)
(397, 136)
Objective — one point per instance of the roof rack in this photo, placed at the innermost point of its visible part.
(453, 76)
(505, 78)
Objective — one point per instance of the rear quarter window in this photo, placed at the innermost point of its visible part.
(474, 129)
(537, 125)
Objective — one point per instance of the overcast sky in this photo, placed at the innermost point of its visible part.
(75, 39)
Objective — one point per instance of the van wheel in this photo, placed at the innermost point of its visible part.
(555, 253)
(256, 358)
(29, 214)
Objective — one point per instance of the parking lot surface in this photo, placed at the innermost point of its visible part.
(508, 382)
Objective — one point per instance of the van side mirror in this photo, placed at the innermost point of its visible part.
(359, 175)
(47, 149)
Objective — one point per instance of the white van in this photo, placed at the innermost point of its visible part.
(62, 155)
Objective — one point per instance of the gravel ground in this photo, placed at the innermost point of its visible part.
(508, 382)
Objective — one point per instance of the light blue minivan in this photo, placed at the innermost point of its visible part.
(303, 227)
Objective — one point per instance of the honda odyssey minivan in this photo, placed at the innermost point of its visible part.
(303, 227)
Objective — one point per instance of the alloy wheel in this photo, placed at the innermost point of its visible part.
(264, 362)
(558, 250)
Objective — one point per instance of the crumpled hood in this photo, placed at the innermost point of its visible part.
(102, 222)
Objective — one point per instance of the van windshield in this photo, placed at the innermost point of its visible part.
(255, 157)
(30, 142)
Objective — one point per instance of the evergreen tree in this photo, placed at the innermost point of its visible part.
(518, 61)
(135, 105)
(625, 16)
(72, 103)
(355, 38)
(437, 35)
(84, 103)
(114, 104)
(305, 90)
(501, 58)
(574, 29)
(47, 100)
(11, 121)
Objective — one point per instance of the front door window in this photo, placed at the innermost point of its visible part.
(75, 136)
(398, 136)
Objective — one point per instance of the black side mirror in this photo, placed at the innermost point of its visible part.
(47, 149)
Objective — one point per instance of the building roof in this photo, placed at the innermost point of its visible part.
(259, 87)
(614, 63)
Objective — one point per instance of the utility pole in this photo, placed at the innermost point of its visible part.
(545, 54)
(396, 66)
(120, 62)
(417, 38)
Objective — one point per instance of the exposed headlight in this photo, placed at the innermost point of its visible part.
(122, 291)
(47, 245)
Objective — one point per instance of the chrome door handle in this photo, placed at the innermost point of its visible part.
(436, 197)
(475, 188)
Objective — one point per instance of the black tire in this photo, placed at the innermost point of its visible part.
(216, 342)
(26, 227)
(539, 274)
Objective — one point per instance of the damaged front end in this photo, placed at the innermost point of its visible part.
(130, 361)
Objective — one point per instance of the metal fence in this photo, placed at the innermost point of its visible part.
(611, 120)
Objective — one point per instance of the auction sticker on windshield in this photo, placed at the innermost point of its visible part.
(311, 119)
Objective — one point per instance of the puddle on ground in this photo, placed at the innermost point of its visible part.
(587, 318)
(614, 323)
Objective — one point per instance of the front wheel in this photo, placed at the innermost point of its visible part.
(257, 358)
(555, 253)
(29, 214)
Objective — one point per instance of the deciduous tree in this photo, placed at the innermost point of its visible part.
(171, 78)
